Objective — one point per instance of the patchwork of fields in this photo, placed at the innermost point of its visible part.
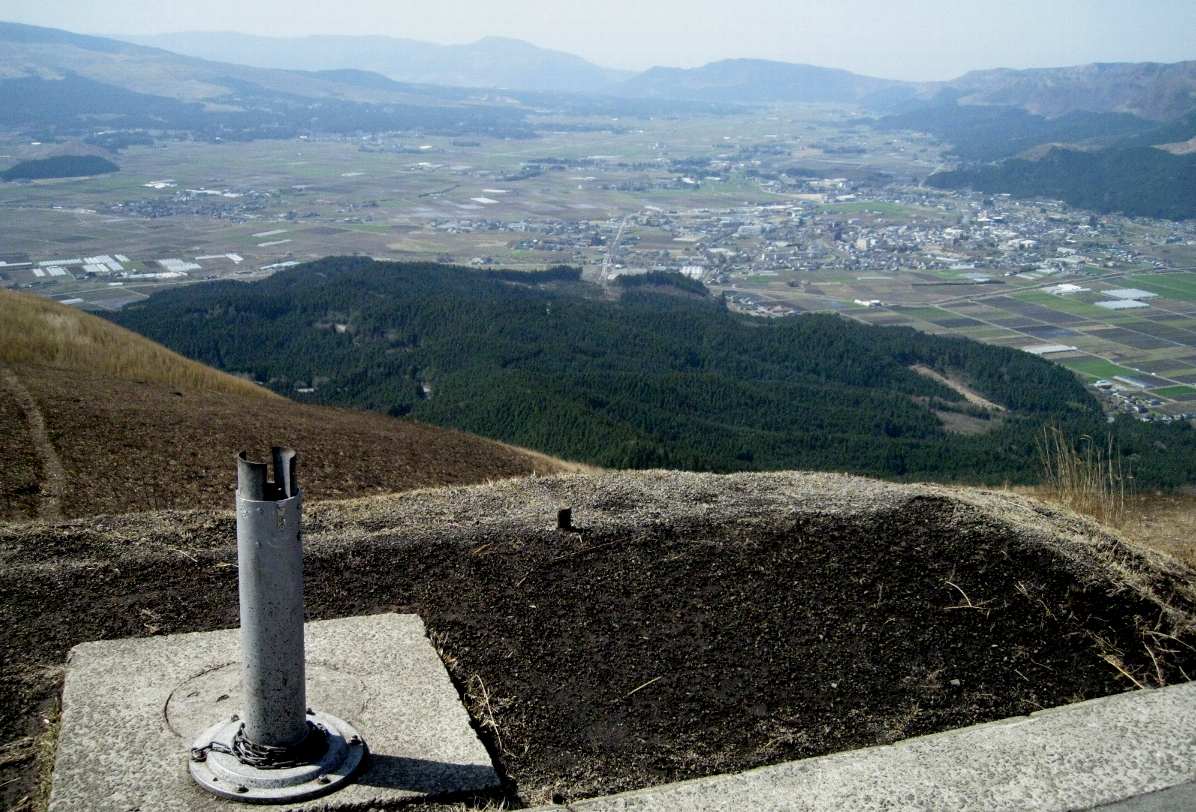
(1150, 349)
(786, 210)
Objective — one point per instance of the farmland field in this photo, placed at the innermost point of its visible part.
(1181, 393)
(1098, 368)
(1175, 286)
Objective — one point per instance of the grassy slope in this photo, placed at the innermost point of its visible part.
(1161, 521)
(1166, 522)
(36, 331)
(138, 427)
(129, 446)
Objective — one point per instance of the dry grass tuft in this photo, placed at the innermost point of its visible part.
(1084, 476)
(1166, 522)
(481, 708)
(40, 332)
(47, 748)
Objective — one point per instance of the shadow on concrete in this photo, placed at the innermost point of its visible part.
(427, 777)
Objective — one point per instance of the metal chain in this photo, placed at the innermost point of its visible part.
(266, 757)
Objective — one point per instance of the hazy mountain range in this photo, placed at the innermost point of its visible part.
(198, 67)
(761, 81)
(1153, 91)
(54, 83)
(489, 62)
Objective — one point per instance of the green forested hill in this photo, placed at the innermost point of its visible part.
(655, 379)
(1139, 181)
(994, 132)
(61, 166)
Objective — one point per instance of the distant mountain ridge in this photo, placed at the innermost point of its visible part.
(49, 53)
(1154, 91)
(1150, 90)
(378, 69)
(55, 83)
(496, 62)
(759, 81)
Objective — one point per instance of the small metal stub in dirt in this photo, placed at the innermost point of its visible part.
(276, 749)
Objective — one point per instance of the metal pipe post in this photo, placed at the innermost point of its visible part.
(270, 553)
(276, 750)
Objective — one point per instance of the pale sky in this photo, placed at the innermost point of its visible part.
(902, 39)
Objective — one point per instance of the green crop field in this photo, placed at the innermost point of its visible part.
(924, 313)
(1180, 286)
(1098, 368)
(1176, 392)
(1062, 304)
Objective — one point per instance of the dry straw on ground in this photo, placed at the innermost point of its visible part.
(1085, 475)
(41, 332)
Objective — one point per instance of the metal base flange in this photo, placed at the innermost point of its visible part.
(222, 774)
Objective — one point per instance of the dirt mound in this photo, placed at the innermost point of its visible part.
(123, 446)
(693, 624)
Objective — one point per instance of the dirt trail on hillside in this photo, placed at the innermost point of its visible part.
(691, 625)
(53, 482)
(970, 395)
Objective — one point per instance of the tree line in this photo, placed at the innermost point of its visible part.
(651, 379)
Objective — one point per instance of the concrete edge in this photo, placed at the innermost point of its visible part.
(1132, 751)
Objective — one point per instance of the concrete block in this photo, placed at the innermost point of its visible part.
(131, 708)
(1133, 751)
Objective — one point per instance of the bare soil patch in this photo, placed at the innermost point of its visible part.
(20, 471)
(966, 424)
(53, 478)
(694, 624)
(969, 394)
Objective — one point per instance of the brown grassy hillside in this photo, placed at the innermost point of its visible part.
(41, 332)
(128, 446)
(95, 419)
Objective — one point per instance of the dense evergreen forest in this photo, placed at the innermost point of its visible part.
(62, 166)
(992, 132)
(1140, 181)
(1110, 167)
(650, 379)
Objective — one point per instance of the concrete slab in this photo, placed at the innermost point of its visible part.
(1175, 799)
(1134, 751)
(130, 709)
